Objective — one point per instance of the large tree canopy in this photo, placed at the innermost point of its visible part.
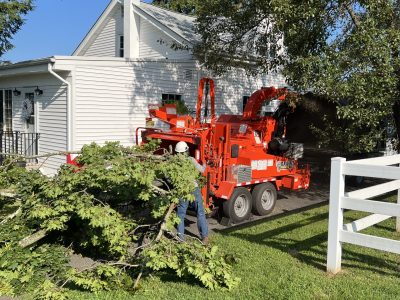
(183, 6)
(346, 51)
(11, 20)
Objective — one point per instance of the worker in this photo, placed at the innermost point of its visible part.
(183, 205)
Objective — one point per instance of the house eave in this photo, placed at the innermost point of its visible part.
(117, 59)
(68, 63)
(26, 67)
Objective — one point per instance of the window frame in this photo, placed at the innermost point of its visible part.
(33, 117)
(178, 100)
(121, 44)
(7, 110)
(245, 99)
(168, 98)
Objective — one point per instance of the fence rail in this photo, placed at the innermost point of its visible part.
(16, 142)
(359, 200)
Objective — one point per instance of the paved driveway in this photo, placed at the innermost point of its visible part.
(288, 201)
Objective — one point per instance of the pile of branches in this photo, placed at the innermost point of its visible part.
(114, 215)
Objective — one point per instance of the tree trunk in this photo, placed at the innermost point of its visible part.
(396, 105)
(396, 117)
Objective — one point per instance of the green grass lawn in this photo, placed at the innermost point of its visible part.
(285, 258)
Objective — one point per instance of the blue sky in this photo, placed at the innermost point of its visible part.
(55, 27)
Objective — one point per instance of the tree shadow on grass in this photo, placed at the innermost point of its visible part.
(362, 261)
(313, 250)
(170, 276)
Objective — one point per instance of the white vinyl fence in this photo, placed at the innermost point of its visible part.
(380, 167)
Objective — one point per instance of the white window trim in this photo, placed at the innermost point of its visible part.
(3, 91)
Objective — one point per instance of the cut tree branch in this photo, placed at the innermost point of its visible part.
(98, 264)
(8, 194)
(160, 190)
(61, 153)
(65, 153)
(163, 228)
(122, 264)
(12, 216)
(32, 239)
(135, 286)
(164, 222)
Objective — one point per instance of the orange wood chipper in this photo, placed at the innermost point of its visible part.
(247, 156)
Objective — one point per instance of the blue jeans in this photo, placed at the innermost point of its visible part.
(202, 224)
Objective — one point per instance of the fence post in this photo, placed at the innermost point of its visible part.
(334, 261)
(398, 218)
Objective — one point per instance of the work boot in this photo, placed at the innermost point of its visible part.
(205, 241)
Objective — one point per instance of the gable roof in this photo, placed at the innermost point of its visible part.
(178, 26)
(181, 24)
(96, 26)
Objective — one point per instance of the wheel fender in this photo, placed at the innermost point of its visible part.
(225, 190)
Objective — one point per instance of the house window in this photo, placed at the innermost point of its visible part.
(121, 46)
(171, 98)
(244, 101)
(181, 107)
(6, 110)
(30, 122)
(122, 11)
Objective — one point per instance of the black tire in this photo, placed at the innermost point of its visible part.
(238, 207)
(264, 198)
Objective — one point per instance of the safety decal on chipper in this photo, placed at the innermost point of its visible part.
(261, 165)
(284, 165)
(180, 124)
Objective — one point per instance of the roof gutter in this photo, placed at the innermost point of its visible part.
(69, 104)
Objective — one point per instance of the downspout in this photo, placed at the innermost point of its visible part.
(69, 105)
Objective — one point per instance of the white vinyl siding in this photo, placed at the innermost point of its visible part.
(156, 44)
(112, 101)
(105, 42)
(51, 115)
(231, 87)
(52, 124)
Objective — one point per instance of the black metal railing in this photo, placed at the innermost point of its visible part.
(16, 142)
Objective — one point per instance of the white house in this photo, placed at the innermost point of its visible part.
(101, 92)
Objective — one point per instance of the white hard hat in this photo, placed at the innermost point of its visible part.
(181, 147)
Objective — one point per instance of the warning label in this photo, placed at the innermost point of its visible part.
(261, 165)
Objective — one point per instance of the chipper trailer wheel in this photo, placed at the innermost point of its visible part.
(264, 198)
(238, 208)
